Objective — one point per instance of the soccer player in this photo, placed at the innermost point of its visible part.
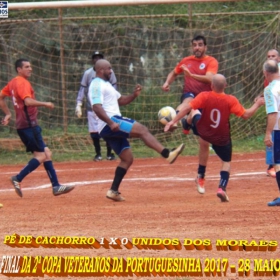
(274, 55)
(88, 76)
(272, 133)
(198, 74)
(212, 124)
(25, 105)
(116, 129)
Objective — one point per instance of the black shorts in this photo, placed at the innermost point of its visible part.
(223, 152)
(32, 139)
(187, 95)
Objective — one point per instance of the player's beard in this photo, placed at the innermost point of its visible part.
(107, 77)
(198, 54)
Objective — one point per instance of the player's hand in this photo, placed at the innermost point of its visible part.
(169, 127)
(165, 87)
(49, 105)
(267, 140)
(260, 101)
(6, 119)
(186, 70)
(259, 96)
(114, 126)
(137, 90)
(78, 110)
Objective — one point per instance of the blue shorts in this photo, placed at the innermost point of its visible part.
(118, 140)
(187, 95)
(273, 153)
(31, 137)
(223, 152)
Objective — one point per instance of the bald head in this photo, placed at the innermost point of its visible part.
(219, 83)
(271, 67)
(103, 69)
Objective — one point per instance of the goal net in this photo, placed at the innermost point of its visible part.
(143, 44)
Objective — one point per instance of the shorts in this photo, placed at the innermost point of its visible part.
(118, 140)
(31, 137)
(187, 95)
(92, 122)
(273, 153)
(223, 152)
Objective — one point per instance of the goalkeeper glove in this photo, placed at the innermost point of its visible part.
(78, 110)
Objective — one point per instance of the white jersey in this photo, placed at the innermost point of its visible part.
(102, 92)
(272, 100)
(87, 78)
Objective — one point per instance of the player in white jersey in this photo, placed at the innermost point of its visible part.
(116, 129)
(272, 133)
(88, 76)
(274, 55)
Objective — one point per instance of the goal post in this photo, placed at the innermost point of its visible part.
(143, 40)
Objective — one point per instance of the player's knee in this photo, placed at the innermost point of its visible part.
(143, 130)
(48, 154)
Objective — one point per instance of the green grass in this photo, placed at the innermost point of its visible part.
(248, 145)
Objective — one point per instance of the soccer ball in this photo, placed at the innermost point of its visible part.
(166, 114)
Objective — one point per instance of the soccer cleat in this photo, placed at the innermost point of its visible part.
(271, 172)
(275, 202)
(186, 126)
(173, 154)
(97, 158)
(16, 185)
(114, 195)
(200, 184)
(58, 190)
(111, 157)
(222, 195)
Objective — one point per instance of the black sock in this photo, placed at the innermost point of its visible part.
(278, 179)
(224, 179)
(165, 153)
(201, 171)
(119, 174)
(96, 142)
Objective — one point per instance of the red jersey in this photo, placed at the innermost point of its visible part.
(198, 66)
(214, 126)
(19, 88)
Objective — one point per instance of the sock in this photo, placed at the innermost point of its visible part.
(96, 142)
(278, 179)
(51, 173)
(270, 166)
(201, 171)
(119, 174)
(224, 179)
(31, 166)
(109, 149)
(165, 153)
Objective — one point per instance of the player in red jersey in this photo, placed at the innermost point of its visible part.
(25, 105)
(212, 124)
(198, 71)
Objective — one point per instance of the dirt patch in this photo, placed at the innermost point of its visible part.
(161, 202)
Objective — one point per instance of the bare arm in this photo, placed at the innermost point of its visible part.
(184, 111)
(207, 78)
(251, 111)
(5, 109)
(101, 114)
(28, 101)
(169, 80)
(271, 120)
(126, 99)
